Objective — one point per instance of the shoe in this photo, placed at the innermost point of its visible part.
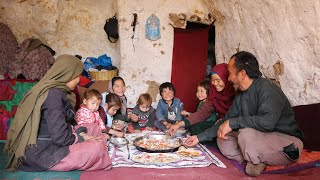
(255, 169)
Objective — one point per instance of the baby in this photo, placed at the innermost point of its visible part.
(143, 114)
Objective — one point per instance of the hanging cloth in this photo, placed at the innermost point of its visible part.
(153, 28)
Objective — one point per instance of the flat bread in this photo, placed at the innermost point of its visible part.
(189, 153)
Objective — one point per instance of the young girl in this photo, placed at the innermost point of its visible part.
(112, 105)
(117, 86)
(202, 94)
(143, 114)
(169, 108)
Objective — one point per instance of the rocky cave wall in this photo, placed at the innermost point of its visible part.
(284, 35)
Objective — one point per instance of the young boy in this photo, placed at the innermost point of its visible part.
(169, 108)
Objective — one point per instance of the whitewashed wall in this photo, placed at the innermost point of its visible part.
(148, 65)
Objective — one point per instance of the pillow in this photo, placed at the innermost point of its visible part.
(308, 117)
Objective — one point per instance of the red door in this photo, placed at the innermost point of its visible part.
(189, 61)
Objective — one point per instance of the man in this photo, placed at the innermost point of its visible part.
(259, 127)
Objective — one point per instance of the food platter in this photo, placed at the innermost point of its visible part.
(156, 158)
(155, 143)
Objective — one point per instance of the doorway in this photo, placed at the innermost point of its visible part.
(190, 61)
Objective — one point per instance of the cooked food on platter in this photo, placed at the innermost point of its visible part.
(189, 153)
(156, 158)
(157, 143)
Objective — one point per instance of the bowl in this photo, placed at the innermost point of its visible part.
(119, 142)
(119, 125)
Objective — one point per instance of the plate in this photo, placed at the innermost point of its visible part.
(156, 158)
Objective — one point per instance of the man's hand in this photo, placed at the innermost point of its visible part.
(173, 129)
(191, 141)
(224, 129)
(134, 118)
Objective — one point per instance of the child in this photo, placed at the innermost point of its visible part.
(117, 86)
(143, 114)
(169, 108)
(202, 94)
(112, 105)
(88, 112)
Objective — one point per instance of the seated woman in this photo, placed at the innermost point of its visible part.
(41, 136)
(219, 101)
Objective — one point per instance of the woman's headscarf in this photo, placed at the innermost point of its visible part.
(23, 131)
(222, 100)
(123, 98)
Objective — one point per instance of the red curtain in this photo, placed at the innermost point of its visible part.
(189, 61)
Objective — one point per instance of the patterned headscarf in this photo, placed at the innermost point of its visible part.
(23, 131)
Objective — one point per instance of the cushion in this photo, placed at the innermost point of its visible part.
(308, 117)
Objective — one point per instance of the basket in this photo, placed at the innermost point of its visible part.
(103, 75)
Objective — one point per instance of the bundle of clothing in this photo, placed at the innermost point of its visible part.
(29, 60)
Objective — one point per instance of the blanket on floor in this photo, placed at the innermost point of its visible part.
(308, 159)
(129, 156)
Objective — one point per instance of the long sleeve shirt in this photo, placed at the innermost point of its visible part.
(264, 107)
(85, 116)
(145, 119)
(204, 112)
(163, 110)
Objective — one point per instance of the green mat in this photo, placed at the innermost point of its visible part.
(20, 175)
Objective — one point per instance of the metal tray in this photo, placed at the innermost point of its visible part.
(176, 141)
